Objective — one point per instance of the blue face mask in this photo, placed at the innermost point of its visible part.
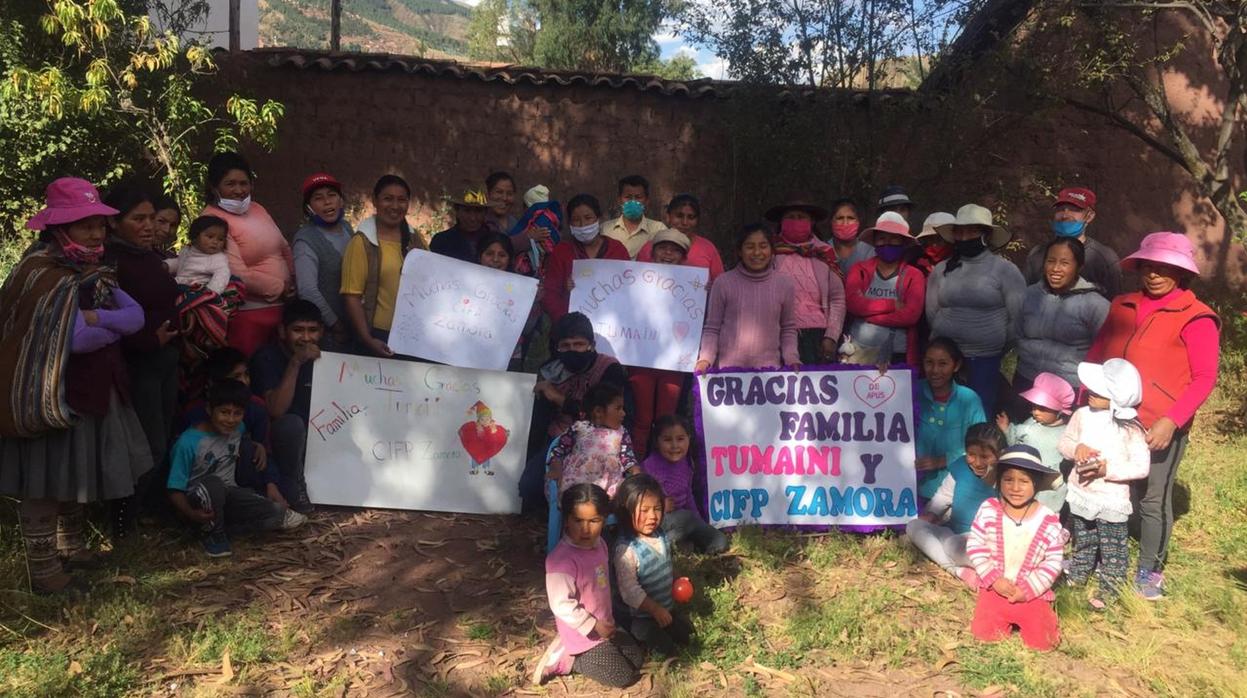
(632, 210)
(1068, 229)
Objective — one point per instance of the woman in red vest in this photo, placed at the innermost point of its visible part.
(1153, 329)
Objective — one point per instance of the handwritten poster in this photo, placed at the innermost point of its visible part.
(814, 448)
(647, 315)
(406, 435)
(459, 313)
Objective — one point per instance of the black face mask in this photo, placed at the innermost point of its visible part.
(577, 361)
(969, 248)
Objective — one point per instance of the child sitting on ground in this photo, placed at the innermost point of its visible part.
(1016, 547)
(202, 483)
(579, 592)
(942, 530)
(264, 475)
(946, 409)
(1051, 399)
(1109, 448)
(669, 464)
(596, 450)
(643, 568)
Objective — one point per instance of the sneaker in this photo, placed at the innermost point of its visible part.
(551, 662)
(303, 505)
(292, 520)
(1150, 584)
(217, 545)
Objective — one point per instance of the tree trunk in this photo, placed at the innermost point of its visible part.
(335, 25)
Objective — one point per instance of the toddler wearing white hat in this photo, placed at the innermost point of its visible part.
(1109, 448)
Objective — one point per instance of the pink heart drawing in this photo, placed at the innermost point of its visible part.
(681, 330)
(874, 391)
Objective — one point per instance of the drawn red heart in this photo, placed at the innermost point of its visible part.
(874, 391)
(482, 444)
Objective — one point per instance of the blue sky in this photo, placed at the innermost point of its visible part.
(672, 45)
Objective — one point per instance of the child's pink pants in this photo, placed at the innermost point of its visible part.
(994, 618)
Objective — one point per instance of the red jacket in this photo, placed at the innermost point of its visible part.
(555, 291)
(1155, 347)
(913, 293)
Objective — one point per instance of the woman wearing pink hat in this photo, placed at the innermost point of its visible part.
(67, 434)
(1154, 329)
(258, 252)
(318, 248)
(886, 296)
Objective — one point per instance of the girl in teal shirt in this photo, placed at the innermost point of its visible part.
(946, 410)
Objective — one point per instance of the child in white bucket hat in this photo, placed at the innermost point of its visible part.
(1109, 449)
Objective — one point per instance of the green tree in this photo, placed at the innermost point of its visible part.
(608, 36)
(96, 93)
(679, 67)
(503, 31)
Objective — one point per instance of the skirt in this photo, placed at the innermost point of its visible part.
(99, 458)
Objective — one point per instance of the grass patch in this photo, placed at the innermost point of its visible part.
(245, 635)
(1005, 665)
(88, 672)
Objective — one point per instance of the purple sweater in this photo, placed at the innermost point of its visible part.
(676, 479)
(750, 322)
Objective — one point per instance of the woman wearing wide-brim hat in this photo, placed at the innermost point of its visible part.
(974, 297)
(1174, 340)
(811, 265)
(885, 296)
(69, 435)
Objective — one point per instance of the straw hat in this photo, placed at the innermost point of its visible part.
(973, 214)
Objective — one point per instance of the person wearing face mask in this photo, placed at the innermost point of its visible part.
(932, 249)
(633, 228)
(151, 354)
(373, 263)
(459, 240)
(318, 248)
(258, 252)
(1072, 214)
(810, 263)
(975, 297)
(885, 296)
(575, 366)
(845, 227)
(71, 436)
(584, 215)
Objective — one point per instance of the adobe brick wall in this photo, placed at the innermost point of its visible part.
(443, 134)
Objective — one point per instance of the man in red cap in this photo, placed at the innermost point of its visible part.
(1071, 214)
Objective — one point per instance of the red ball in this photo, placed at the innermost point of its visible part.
(682, 590)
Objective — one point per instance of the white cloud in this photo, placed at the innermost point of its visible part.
(712, 66)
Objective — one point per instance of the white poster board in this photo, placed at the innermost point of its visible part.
(407, 435)
(811, 448)
(647, 315)
(459, 313)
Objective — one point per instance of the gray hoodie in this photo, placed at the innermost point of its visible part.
(1055, 331)
(977, 305)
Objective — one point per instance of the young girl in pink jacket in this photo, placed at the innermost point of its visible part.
(1016, 548)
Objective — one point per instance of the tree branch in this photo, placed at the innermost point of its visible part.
(1131, 128)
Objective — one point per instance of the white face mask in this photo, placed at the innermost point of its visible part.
(235, 206)
(585, 233)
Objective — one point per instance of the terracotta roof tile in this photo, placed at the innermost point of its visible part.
(518, 75)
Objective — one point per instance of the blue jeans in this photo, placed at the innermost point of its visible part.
(984, 378)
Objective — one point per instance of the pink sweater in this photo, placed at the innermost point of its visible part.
(1042, 563)
(819, 299)
(258, 254)
(579, 591)
(702, 254)
(750, 321)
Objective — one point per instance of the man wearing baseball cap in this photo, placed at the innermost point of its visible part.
(1071, 214)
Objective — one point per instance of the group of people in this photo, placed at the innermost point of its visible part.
(149, 378)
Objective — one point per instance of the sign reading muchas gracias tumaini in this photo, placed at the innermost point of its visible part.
(407, 435)
(820, 448)
(458, 313)
(647, 315)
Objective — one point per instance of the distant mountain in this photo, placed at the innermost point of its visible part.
(433, 28)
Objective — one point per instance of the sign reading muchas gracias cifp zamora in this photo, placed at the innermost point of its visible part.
(819, 448)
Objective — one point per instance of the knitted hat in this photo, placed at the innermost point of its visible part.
(536, 195)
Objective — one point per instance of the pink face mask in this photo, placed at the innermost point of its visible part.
(795, 231)
(80, 254)
(844, 231)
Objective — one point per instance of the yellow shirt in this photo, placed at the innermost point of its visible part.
(355, 276)
(647, 228)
